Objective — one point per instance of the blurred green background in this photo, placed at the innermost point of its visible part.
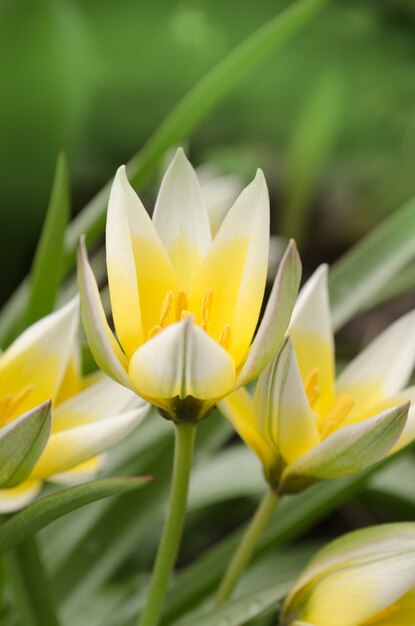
(333, 109)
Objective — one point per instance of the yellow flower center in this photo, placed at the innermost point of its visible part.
(176, 307)
(329, 421)
(9, 404)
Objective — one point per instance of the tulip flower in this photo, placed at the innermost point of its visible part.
(365, 577)
(306, 426)
(185, 307)
(53, 423)
(303, 423)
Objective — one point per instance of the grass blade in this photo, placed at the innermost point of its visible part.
(46, 272)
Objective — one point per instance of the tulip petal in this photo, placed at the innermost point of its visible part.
(368, 545)
(182, 361)
(88, 470)
(181, 219)
(37, 360)
(312, 333)
(281, 404)
(103, 399)
(238, 407)
(276, 318)
(122, 275)
(104, 347)
(17, 497)
(154, 272)
(72, 381)
(69, 448)
(347, 451)
(354, 595)
(383, 368)
(241, 249)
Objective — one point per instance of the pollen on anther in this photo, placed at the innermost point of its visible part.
(206, 310)
(312, 386)
(166, 307)
(329, 423)
(182, 301)
(225, 337)
(185, 313)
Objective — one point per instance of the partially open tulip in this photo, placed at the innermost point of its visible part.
(53, 423)
(185, 307)
(366, 577)
(303, 423)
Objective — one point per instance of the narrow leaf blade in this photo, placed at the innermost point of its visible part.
(47, 509)
(46, 272)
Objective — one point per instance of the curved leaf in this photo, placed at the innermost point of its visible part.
(47, 509)
(371, 264)
(46, 270)
(240, 610)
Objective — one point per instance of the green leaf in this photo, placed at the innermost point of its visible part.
(47, 509)
(21, 444)
(311, 145)
(240, 610)
(371, 264)
(185, 117)
(46, 272)
(347, 451)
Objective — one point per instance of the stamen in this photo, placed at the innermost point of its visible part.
(185, 313)
(4, 405)
(153, 332)
(312, 386)
(166, 307)
(225, 337)
(328, 423)
(207, 303)
(19, 397)
(182, 303)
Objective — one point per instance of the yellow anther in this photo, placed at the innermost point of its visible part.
(312, 386)
(185, 313)
(4, 405)
(166, 307)
(329, 422)
(225, 337)
(207, 303)
(153, 332)
(19, 397)
(182, 303)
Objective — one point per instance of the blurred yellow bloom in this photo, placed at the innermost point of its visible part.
(185, 307)
(303, 423)
(88, 415)
(365, 578)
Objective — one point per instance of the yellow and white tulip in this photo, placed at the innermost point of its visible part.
(40, 369)
(303, 423)
(185, 307)
(366, 577)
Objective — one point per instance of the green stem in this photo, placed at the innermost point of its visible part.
(169, 545)
(247, 546)
(30, 585)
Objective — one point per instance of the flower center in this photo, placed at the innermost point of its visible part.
(327, 422)
(175, 307)
(9, 404)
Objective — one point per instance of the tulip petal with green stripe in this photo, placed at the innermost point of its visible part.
(347, 451)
